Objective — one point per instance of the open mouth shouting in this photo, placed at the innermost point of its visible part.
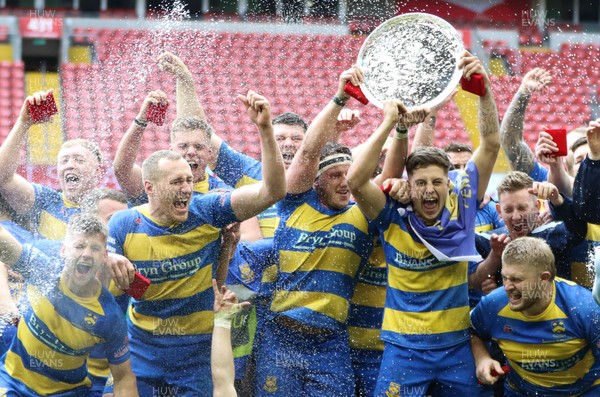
(71, 180)
(193, 165)
(83, 268)
(181, 205)
(430, 205)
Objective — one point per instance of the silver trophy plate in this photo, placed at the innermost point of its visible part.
(412, 57)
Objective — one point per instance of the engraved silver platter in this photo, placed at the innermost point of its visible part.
(411, 57)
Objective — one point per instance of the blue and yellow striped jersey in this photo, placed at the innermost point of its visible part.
(320, 252)
(51, 212)
(427, 303)
(58, 330)
(555, 353)
(367, 305)
(180, 261)
(249, 263)
(237, 170)
(488, 219)
(581, 257)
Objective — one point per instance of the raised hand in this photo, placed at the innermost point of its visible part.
(535, 80)
(258, 108)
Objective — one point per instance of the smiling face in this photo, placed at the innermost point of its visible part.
(170, 194)
(84, 256)
(289, 139)
(77, 171)
(429, 191)
(194, 146)
(519, 210)
(332, 187)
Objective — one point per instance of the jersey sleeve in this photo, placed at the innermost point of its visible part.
(480, 316)
(116, 344)
(539, 173)
(237, 169)
(215, 208)
(117, 230)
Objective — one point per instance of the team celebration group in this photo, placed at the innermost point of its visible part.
(320, 270)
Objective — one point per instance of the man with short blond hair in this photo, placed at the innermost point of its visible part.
(552, 350)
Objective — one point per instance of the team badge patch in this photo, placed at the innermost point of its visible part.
(558, 327)
(271, 384)
(246, 273)
(393, 390)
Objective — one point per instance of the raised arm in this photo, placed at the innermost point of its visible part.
(368, 195)
(557, 174)
(10, 248)
(249, 200)
(16, 190)
(489, 130)
(127, 172)
(188, 103)
(511, 130)
(425, 134)
(303, 170)
(221, 355)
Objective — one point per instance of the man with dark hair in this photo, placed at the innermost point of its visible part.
(552, 350)
(427, 248)
(459, 154)
(104, 202)
(322, 240)
(67, 314)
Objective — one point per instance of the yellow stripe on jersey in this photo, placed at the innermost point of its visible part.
(529, 352)
(39, 383)
(331, 305)
(51, 227)
(593, 232)
(553, 378)
(270, 274)
(403, 242)
(483, 228)
(436, 280)
(182, 288)
(202, 186)
(98, 367)
(141, 247)
(553, 313)
(39, 350)
(268, 226)
(435, 322)
(365, 338)
(368, 295)
(62, 328)
(320, 222)
(295, 261)
(245, 180)
(193, 324)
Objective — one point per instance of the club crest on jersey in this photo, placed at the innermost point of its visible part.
(90, 320)
(271, 384)
(558, 327)
(246, 273)
(393, 390)
(507, 328)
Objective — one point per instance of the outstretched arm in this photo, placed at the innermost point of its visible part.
(249, 200)
(10, 248)
(519, 154)
(367, 194)
(425, 134)
(17, 191)
(303, 170)
(221, 356)
(485, 155)
(188, 103)
(129, 174)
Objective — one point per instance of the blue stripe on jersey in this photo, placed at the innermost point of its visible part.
(365, 316)
(427, 305)
(53, 369)
(320, 252)
(176, 307)
(51, 212)
(450, 298)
